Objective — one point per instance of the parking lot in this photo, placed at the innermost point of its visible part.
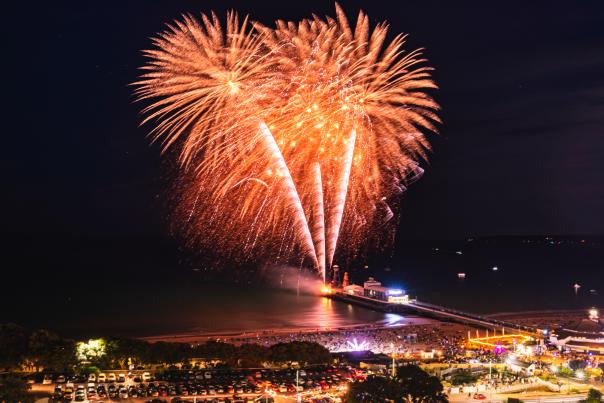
(200, 385)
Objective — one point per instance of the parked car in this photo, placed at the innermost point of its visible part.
(123, 393)
(58, 393)
(101, 392)
(68, 394)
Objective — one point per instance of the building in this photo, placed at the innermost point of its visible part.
(585, 335)
(374, 289)
(354, 289)
(396, 296)
(517, 366)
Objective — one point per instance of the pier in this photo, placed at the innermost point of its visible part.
(434, 311)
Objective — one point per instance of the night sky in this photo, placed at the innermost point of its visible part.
(521, 150)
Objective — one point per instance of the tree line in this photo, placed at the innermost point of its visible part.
(410, 385)
(43, 349)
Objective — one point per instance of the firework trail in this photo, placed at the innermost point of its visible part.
(335, 219)
(318, 218)
(293, 200)
(342, 114)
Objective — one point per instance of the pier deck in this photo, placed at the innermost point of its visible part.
(434, 311)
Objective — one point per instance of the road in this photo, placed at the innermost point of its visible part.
(536, 399)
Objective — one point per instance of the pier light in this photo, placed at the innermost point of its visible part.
(326, 290)
(594, 314)
(395, 291)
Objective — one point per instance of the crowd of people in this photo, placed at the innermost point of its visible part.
(442, 339)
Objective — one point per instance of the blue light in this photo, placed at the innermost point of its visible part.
(395, 291)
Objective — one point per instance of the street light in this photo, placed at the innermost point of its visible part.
(392, 352)
(298, 397)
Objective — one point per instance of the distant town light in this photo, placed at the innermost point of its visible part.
(495, 268)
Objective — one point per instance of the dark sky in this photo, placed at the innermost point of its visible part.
(522, 90)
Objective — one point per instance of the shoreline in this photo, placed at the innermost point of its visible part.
(196, 337)
(227, 335)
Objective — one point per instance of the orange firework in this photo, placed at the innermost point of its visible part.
(290, 136)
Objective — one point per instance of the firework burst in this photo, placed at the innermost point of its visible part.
(288, 137)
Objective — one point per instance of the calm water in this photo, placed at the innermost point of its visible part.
(152, 295)
(205, 309)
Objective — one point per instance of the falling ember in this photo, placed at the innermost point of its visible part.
(290, 138)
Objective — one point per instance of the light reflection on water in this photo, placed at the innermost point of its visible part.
(284, 310)
(213, 309)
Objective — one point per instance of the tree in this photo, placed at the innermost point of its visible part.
(48, 350)
(120, 350)
(419, 386)
(13, 389)
(374, 389)
(13, 345)
(594, 395)
(169, 353)
(215, 350)
(577, 364)
(252, 355)
(302, 351)
(92, 352)
(463, 377)
(412, 384)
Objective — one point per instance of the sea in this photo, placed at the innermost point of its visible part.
(112, 288)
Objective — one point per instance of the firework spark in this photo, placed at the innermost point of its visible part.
(290, 139)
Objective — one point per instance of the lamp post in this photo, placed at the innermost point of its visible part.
(392, 352)
(298, 397)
